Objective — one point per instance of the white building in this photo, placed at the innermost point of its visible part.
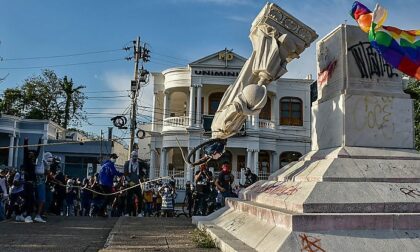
(280, 134)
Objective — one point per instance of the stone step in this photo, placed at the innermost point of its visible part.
(305, 222)
(336, 197)
(362, 170)
(224, 240)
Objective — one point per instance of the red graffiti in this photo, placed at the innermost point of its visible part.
(326, 73)
(310, 244)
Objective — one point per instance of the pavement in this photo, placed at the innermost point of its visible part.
(94, 234)
(152, 234)
(58, 234)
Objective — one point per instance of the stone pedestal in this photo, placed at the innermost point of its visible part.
(359, 187)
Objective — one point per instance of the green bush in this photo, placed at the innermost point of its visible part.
(202, 239)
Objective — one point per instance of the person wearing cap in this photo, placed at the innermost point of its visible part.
(202, 180)
(106, 179)
(42, 166)
(135, 175)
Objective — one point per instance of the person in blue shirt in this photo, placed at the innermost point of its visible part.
(106, 179)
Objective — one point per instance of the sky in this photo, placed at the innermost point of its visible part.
(176, 31)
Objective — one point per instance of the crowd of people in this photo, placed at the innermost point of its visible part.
(24, 193)
(209, 192)
(40, 180)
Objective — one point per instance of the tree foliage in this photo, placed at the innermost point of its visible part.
(46, 97)
(413, 88)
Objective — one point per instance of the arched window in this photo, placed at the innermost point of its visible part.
(289, 156)
(264, 163)
(266, 111)
(291, 111)
(214, 100)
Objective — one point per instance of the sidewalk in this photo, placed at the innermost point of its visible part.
(58, 234)
(152, 234)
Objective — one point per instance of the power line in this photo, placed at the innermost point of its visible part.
(107, 91)
(62, 65)
(106, 97)
(168, 56)
(61, 56)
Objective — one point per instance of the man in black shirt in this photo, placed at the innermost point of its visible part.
(28, 167)
(224, 182)
(250, 178)
(202, 180)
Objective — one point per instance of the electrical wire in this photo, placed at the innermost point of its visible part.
(62, 65)
(62, 56)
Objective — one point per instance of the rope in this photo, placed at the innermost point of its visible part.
(120, 191)
(182, 152)
(61, 143)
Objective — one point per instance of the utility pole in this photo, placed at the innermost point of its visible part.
(134, 92)
(100, 154)
(141, 53)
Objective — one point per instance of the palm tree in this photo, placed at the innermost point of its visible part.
(73, 99)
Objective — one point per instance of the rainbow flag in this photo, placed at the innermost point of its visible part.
(399, 48)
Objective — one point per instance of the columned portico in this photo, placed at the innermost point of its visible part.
(165, 104)
(16, 150)
(255, 163)
(199, 105)
(256, 121)
(163, 163)
(191, 108)
(197, 157)
(152, 171)
(249, 158)
(188, 173)
(11, 145)
(275, 165)
(276, 110)
(153, 114)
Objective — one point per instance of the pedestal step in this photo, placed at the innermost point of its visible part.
(305, 222)
(336, 197)
(236, 230)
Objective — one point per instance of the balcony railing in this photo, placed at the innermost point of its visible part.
(180, 121)
(266, 124)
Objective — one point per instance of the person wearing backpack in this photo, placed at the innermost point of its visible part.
(106, 179)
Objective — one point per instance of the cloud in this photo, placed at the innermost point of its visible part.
(240, 19)
(116, 81)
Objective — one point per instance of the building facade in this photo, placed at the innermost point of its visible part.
(186, 99)
(75, 150)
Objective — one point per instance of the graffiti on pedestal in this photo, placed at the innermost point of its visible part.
(235, 224)
(371, 112)
(369, 62)
(277, 188)
(310, 243)
(409, 191)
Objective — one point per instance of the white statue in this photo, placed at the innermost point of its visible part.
(277, 38)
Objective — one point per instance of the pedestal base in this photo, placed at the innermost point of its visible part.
(344, 199)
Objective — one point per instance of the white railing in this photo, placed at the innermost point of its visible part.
(176, 121)
(178, 176)
(263, 175)
(267, 124)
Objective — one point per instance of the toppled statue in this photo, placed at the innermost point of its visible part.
(277, 38)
